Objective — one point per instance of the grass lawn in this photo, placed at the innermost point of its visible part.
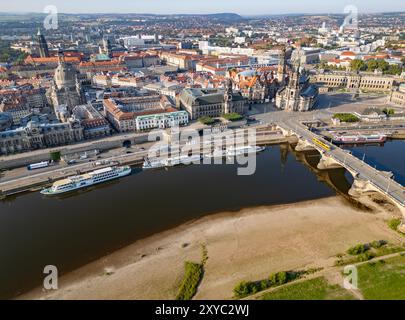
(314, 289)
(383, 280)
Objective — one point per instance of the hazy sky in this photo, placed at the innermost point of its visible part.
(202, 6)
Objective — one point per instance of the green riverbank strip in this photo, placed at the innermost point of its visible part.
(194, 273)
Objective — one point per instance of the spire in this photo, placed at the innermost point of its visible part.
(282, 66)
(43, 46)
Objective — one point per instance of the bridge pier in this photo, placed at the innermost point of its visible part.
(360, 187)
(304, 145)
(327, 162)
(286, 132)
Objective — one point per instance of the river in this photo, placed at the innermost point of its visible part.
(71, 231)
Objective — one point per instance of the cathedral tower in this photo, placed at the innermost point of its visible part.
(43, 46)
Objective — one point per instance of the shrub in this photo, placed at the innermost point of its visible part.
(346, 117)
(366, 256)
(206, 120)
(357, 249)
(278, 278)
(377, 244)
(394, 223)
(244, 289)
(232, 116)
(55, 156)
(192, 278)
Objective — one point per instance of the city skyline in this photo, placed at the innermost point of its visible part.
(202, 150)
(254, 7)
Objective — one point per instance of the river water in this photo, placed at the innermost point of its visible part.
(387, 157)
(70, 231)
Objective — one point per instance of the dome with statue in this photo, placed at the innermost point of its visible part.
(65, 74)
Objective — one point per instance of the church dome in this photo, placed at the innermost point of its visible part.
(65, 75)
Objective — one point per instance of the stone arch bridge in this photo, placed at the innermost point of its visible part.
(366, 178)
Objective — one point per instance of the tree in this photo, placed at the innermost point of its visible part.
(389, 112)
(372, 65)
(357, 65)
(55, 156)
(383, 65)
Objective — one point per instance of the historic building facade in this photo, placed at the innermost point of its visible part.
(93, 122)
(162, 120)
(211, 102)
(397, 95)
(257, 86)
(123, 112)
(37, 135)
(352, 81)
(297, 94)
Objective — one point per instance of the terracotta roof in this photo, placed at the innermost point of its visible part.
(348, 53)
(120, 115)
(50, 60)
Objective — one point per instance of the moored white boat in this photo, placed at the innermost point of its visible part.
(86, 180)
(217, 153)
(237, 151)
(171, 162)
(359, 139)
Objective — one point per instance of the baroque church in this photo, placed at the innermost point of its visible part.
(295, 92)
(65, 92)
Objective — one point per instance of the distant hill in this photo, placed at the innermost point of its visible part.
(28, 15)
(221, 16)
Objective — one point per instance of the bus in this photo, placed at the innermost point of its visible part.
(321, 144)
(38, 165)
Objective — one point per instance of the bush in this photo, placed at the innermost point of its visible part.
(278, 278)
(394, 223)
(244, 289)
(389, 112)
(357, 249)
(365, 256)
(346, 117)
(377, 244)
(206, 120)
(55, 156)
(192, 278)
(232, 116)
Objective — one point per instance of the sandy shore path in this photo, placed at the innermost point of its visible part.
(245, 245)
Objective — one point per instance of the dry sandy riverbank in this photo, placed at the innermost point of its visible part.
(245, 245)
